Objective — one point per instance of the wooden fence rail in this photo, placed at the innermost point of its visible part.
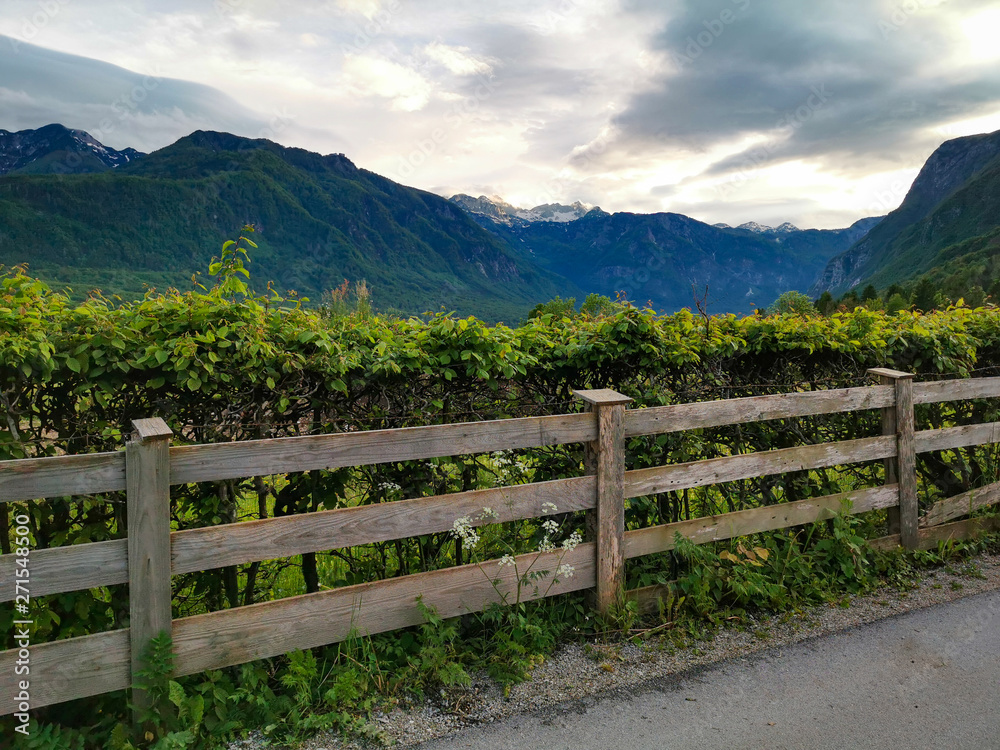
(149, 466)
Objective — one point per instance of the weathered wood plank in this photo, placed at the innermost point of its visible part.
(66, 670)
(201, 463)
(955, 390)
(743, 466)
(71, 568)
(906, 463)
(889, 373)
(884, 543)
(961, 505)
(147, 480)
(601, 396)
(768, 518)
(957, 437)
(678, 417)
(271, 538)
(84, 566)
(609, 525)
(972, 527)
(234, 636)
(59, 476)
(890, 465)
(928, 538)
(648, 597)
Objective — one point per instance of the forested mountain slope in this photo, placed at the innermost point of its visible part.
(320, 219)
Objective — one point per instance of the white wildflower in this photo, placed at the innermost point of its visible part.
(546, 545)
(550, 526)
(488, 513)
(506, 560)
(565, 571)
(572, 542)
(462, 529)
(549, 508)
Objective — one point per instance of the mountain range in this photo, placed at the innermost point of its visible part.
(54, 149)
(949, 216)
(159, 219)
(488, 212)
(88, 215)
(658, 258)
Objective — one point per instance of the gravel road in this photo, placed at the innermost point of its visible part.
(580, 678)
(927, 679)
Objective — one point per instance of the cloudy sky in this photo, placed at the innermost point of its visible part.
(726, 110)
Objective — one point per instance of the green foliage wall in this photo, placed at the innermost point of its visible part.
(220, 368)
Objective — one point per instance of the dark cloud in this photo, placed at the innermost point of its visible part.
(117, 106)
(621, 103)
(839, 81)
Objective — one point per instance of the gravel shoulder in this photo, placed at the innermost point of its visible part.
(587, 673)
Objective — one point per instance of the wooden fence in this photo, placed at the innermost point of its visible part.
(102, 662)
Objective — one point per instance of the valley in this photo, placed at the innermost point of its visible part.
(85, 216)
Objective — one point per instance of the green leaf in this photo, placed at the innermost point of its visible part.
(196, 709)
(73, 364)
(176, 693)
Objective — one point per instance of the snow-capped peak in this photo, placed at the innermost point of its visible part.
(497, 210)
(58, 149)
(753, 226)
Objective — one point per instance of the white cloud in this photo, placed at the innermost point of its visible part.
(983, 33)
(459, 60)
(366, 8)
(381, 79)
(405, 88)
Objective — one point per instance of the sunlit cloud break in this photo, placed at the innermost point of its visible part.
(704, 108)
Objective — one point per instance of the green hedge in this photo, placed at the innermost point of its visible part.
(220, 368)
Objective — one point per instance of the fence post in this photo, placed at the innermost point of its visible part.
(147, 482)
(898, 420)
(608, 519)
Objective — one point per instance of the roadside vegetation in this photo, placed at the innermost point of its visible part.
(222, 363)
